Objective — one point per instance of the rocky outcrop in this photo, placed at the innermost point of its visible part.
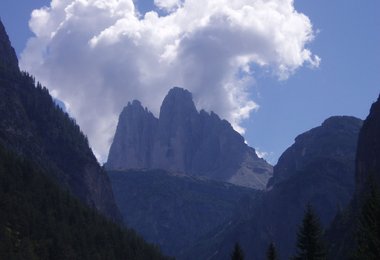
(185, 140)
(32, 126)
(134, 137)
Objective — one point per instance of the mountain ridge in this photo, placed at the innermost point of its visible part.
(326, 182)
(185, 140)
(34, 127)
(322, 141)
(8, 57)
(39, 220)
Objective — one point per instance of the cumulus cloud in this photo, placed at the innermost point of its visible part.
(96, 55)
(167, 5)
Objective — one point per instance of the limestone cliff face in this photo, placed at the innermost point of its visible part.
(178, 133)
(185, 140)
(134, 138)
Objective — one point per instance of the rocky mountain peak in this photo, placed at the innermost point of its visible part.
(177, 94)
(133, 139)
(133, 110)
(135, 104)
(8, 57)
(185, 140)
(178, 104)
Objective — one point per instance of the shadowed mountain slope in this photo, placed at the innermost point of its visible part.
(317, 169)
(40, 221)
(174, 210)
(342, 235)
(34, 127)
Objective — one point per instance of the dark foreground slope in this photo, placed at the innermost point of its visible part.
(318, 169)
(32, 125)
(368, 155)
(175, 211)
(39, 221)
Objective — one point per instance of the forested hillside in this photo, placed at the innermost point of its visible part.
(33, 126)
(39, 221)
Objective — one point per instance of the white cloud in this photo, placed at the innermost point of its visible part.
(168, 5)
(268, 156)
(97, 55)
(261, 154)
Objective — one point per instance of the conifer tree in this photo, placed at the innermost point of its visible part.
(271, 252)
(238, 253)
(368, 235)
(309, 238)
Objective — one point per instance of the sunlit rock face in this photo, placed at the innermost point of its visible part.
(187, 141)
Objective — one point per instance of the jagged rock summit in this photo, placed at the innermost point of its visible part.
(187, 141)
(133, 139)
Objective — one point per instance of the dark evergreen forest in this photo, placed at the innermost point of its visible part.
(39, 221)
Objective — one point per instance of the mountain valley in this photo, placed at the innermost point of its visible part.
(184, 185)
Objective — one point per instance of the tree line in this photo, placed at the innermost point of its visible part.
(310, 243)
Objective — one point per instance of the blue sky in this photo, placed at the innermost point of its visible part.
(346, 82)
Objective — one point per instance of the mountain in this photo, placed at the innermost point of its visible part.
(47, 174)
(368, 155)
(134, 139)
(8, 58)
(34, 127)
(331, 141)
(185, 140)
(40, 221)
(342, 234)
(318, 169)
(173, 210)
